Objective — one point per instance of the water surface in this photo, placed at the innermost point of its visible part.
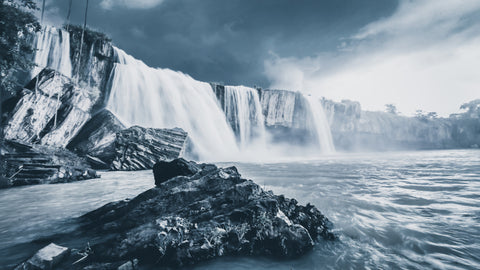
(401, 210)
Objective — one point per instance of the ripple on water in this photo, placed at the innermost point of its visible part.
(408, 210)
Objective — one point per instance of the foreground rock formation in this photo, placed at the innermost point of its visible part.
(202, 213)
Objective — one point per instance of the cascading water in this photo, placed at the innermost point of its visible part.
(162, 98)
(244, 112)
(320, 125)
(52, 51)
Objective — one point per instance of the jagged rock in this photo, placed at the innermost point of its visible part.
(45, 259)
(139, 148)
(189, 219)
(164, 170)
(51, 111)
(28, 164)
(96, 140)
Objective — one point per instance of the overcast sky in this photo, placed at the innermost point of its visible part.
(414, 54)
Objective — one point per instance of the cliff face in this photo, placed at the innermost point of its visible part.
(54, 106)
(69, 86)
(51, 111)
(286, 115)
(63, 105)
(357, 130)
(92, 62)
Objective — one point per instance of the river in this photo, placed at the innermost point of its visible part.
(398, 210)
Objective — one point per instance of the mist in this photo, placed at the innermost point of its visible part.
(424, 56)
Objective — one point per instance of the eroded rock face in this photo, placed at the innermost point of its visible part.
(139, 148)
(212, 213)
(51, 111)
(357, 130)
(29, 164)
(96, 139)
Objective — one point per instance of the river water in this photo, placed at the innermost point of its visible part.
(399, 210)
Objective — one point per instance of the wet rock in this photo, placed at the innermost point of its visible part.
(94, 63)
(29, 164)
(192, 218)
(96, 139)
(139, 148)
(45, 259)
(51, 110)
(164, 170)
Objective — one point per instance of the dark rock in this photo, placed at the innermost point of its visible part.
(189, 219)
(45, 259)
(164, 170)
(140, 148)
(96, 139)
(29, 164)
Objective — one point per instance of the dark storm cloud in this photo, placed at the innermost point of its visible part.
(227, 41)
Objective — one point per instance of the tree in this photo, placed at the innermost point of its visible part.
(390, 108)
(424, 116)
(472, 107)
(17, 23)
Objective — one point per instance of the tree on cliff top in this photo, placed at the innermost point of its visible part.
(472, 107)
(390, 108)
(16, 25)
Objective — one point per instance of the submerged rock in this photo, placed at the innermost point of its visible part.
(139, 148)
(209, 213)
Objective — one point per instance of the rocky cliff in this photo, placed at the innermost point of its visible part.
(51, 111)
(63, 107)
(356, 130)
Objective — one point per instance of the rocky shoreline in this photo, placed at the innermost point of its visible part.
(29, 164)
(196, 212)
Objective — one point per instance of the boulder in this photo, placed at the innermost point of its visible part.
(139, 148)
(51, 110)
(191, 218)
(96, 139)
(164, 170)
(45, 259)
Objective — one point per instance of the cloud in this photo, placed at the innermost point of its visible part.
(424, 56)
(137, 4)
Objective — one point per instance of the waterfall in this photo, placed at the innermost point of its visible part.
(244, 112)
(162, 98)
(53, 51)
(320, 125)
